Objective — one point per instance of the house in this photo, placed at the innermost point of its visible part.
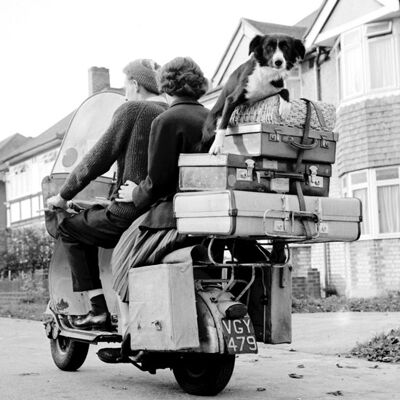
(25, 161)
(9, 144)
(352, 61)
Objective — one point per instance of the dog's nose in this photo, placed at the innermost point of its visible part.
(278, 63)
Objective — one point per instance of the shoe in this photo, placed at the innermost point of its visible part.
(94, 321)
(112, 355)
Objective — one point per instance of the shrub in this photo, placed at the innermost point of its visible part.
(387, 302)
(28, 249)
(34, 290)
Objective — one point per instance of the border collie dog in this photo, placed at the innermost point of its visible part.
(262, 75)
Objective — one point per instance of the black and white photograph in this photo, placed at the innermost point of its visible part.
(200, 199)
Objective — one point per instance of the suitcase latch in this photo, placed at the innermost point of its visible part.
(313, 179)
(250, 167)
(324, 143)
(273, 137)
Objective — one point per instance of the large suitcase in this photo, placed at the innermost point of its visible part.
(276, 141)
(267, 215)
(239, 172)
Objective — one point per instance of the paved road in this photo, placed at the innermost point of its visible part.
(28, 373)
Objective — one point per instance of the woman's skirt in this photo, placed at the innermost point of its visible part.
(137, 248)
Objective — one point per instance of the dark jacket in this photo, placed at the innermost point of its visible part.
(177, 130)
(125, 141)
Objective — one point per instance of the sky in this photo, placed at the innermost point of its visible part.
(47, 46)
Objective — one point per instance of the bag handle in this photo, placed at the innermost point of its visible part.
(318, 112)
(302, 146)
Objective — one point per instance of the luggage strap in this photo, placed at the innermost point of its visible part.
(300, 153)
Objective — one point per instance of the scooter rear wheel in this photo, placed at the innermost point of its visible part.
(204, 374)
(68, 354)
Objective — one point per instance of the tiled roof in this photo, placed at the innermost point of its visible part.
(265, 27)
(308, 20)
(54, 133)
(10, 143)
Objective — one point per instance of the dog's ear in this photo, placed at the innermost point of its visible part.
(254, 43)
(299, 49)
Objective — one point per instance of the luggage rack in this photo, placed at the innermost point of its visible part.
(228, 281)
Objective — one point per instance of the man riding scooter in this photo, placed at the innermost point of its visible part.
(126, 142)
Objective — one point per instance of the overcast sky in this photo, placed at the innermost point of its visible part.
(47, 46)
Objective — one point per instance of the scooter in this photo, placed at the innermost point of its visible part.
(219, 334)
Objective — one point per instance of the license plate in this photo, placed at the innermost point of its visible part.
(239, 335)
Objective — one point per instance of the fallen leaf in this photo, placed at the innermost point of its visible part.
(337, 393)
(296, 376)
(28, 373)
(338, 365)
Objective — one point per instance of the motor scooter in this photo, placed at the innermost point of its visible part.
(203, 368)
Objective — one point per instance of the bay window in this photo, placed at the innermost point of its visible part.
(367, 60)
(379, 191)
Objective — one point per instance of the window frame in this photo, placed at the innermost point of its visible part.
(371, 185)
(365, 38)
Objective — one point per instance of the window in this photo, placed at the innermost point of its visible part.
(367, 60)
(379, 191)
(387, 182)
(352, 64)
(382, 72)
(25, 208)
(357, 186)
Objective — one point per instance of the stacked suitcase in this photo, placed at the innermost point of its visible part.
(272, 181)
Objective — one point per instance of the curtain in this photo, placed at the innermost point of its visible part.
(381, 62)
(388, 209)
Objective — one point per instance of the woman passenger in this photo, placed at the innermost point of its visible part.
(177, 130)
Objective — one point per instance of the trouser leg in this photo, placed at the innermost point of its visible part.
(81, 236)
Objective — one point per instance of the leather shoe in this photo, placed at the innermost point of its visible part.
(94, 321)
(112, 355)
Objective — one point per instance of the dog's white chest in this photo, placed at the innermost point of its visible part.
(259, 82)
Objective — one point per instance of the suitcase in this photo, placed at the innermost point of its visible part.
(276, 141)
(239, 172)
(269, 302)
(162, 307)
(267, 215)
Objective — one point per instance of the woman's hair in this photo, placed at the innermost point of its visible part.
(182, 77)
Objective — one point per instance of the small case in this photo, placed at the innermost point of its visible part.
(238, 172)
(277, 142)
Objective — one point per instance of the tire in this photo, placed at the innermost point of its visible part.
(68, 354)
(204, 375)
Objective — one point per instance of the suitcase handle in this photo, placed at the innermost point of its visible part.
(302, 146)
(290, 216)
(277, 174)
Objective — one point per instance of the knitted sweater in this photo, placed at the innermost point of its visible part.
(125, 141)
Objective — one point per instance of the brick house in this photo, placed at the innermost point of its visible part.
(25, 161)
(352, 61)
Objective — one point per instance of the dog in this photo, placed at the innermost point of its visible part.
(261, 76)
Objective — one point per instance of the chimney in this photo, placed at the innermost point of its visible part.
(99, 79)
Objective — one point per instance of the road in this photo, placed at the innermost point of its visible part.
(28, 373)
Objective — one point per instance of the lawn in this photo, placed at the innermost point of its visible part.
(23, 310)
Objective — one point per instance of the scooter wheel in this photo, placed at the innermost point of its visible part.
(68, 354)
(204, 374)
